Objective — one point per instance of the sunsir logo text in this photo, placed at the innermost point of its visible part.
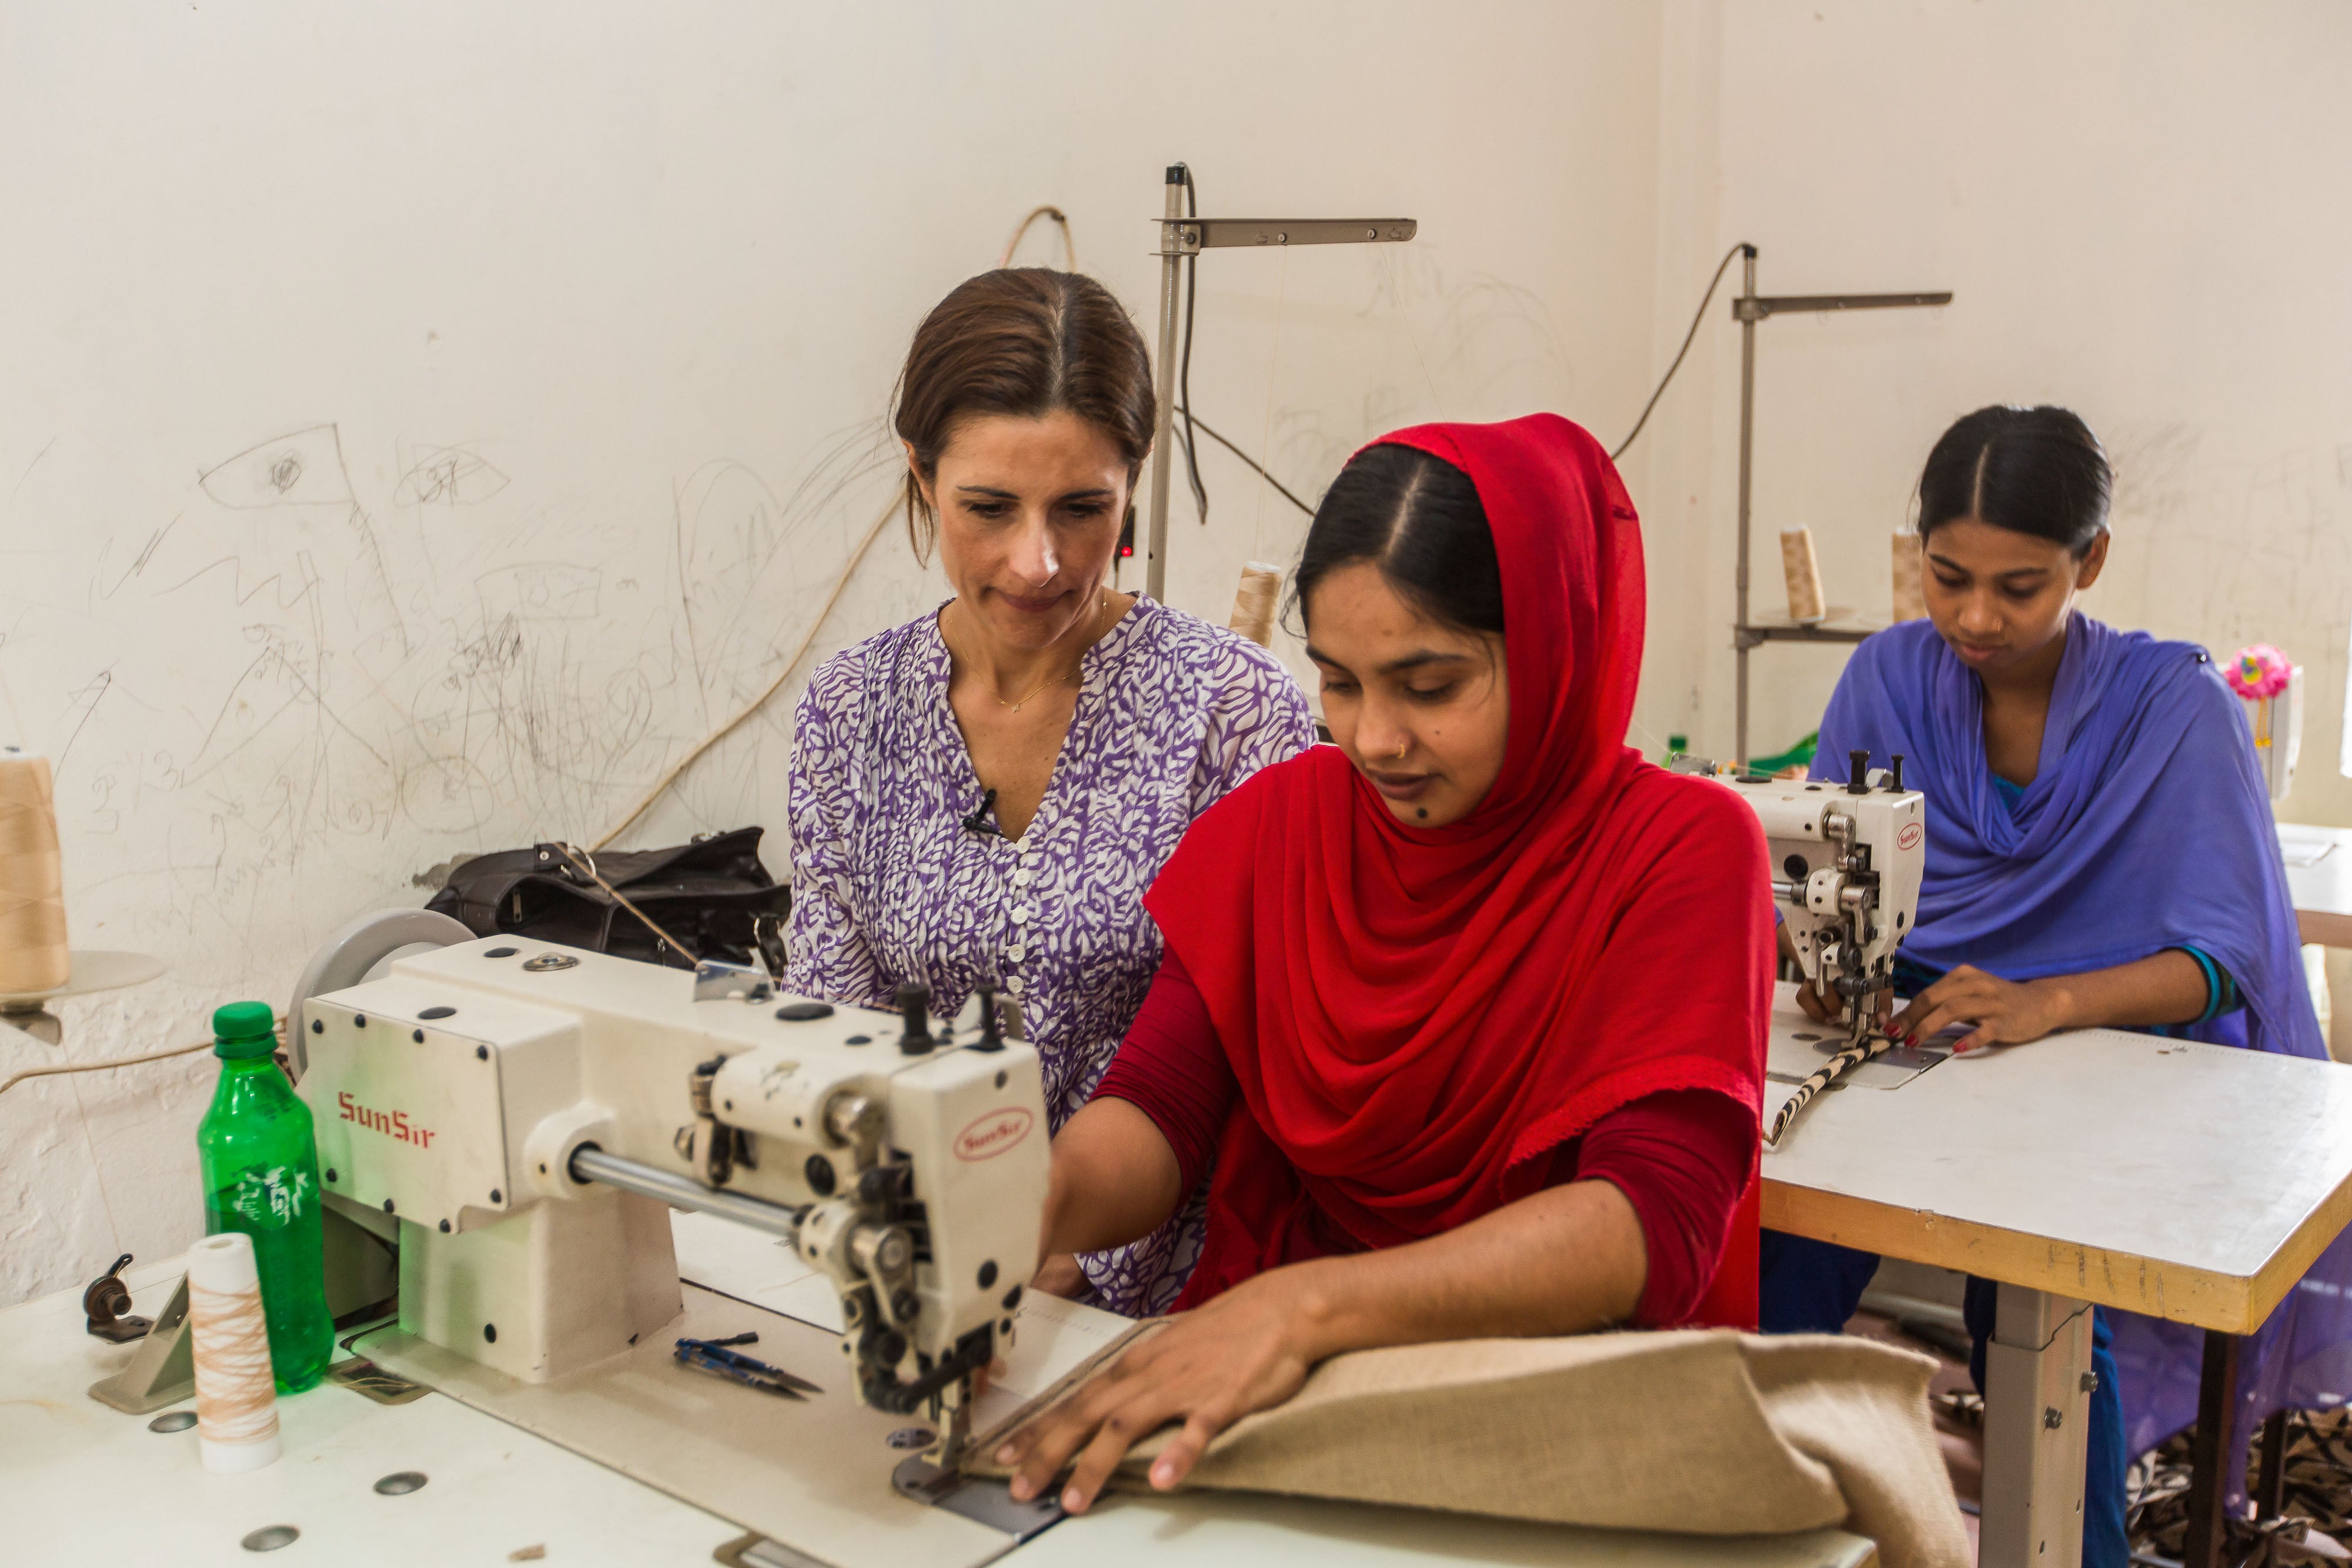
(992, 1134)
(1908, 839)
(392, 1124)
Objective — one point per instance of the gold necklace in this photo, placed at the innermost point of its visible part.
(1069, 674)
(1016, 707)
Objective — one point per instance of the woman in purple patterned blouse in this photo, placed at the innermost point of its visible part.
(982, 794)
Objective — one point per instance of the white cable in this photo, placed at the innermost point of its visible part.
(1070, 245)
(16, 1079)
(670, 776)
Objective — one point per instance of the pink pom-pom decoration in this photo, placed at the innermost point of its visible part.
(2261, 671)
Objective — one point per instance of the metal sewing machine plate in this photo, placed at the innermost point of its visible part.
(1796, 1052)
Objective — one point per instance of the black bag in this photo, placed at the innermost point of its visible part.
(713, 895)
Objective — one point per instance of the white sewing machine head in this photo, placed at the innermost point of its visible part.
(527, 1110)
(1846, 863)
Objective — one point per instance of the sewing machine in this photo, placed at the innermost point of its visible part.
(1846, 862)
(528, 1112)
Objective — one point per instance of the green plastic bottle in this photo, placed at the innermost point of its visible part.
(261, 1164)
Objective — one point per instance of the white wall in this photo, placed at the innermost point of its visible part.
(2140, 209)
(656, 271)
(655, 268)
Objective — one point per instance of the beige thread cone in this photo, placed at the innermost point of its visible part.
(1253, 602)
(1910, 604)
(1804, 574)
(34, 955)
(237, 1394)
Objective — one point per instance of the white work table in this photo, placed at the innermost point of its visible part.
(79, 1480)
(2319, 880)
(2190, 1182)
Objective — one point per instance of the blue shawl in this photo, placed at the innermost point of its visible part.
(2146, 827)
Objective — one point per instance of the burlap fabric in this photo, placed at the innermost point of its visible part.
(1701, 1431)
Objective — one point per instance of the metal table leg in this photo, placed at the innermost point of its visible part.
(2270, 1491)
(2038, 1384)
(2209, 1452)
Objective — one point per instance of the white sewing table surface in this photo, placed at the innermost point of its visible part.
(79, 1480)
(2319, 879)
(2187, 1181)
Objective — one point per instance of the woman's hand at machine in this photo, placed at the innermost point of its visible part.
(2005, 1012)
(1821, 1008)
(2166, 988)
(1248, 1350)
(1566, 1260)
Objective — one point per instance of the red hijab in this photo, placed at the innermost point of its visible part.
(1419, 1017)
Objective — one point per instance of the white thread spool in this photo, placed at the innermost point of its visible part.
(236, 1395)
(1910, 602)
(34, 955)
(1806, 606)
(1253, 602)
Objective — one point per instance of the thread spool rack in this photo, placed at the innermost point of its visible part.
(1747, 308)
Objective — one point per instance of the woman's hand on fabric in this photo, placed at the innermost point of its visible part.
(1247, 1350)
(2005, 1012)
(1824, 1010)
(1060, 1276)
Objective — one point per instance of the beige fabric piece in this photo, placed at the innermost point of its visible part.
(1707, 1432)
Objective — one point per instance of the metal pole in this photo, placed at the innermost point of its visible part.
(590, 1164)
(1747, 451)
(2213, 1442)
(1171, 262)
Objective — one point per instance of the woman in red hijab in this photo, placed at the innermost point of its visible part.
(1467, 1010)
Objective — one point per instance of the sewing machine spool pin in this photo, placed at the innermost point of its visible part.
(914, 1005)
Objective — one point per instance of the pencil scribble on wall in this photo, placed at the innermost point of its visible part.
(448, 476)
(303, 468)
(276, 707)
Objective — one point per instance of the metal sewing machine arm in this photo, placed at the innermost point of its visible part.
(1846, 860)
(526, 1112)
(1847, 865)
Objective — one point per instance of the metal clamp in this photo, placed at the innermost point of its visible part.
(106, 1306)
(716, 981)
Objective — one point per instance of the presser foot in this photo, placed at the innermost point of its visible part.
(988, 1502)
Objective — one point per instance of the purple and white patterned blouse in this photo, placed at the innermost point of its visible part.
(888, 885)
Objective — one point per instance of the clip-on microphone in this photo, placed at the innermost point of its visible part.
(977, 821)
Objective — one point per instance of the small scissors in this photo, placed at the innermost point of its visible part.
(714, 1356)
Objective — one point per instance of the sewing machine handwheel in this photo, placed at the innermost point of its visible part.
(351, 953)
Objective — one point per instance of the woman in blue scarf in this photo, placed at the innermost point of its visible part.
(2100, 853)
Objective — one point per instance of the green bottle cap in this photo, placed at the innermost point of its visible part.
(244, 1028)
(1678, 743)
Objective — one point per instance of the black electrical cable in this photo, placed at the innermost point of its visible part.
(1184, 365)
(1697, 317)
(1255, 467)
(1185, 387)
